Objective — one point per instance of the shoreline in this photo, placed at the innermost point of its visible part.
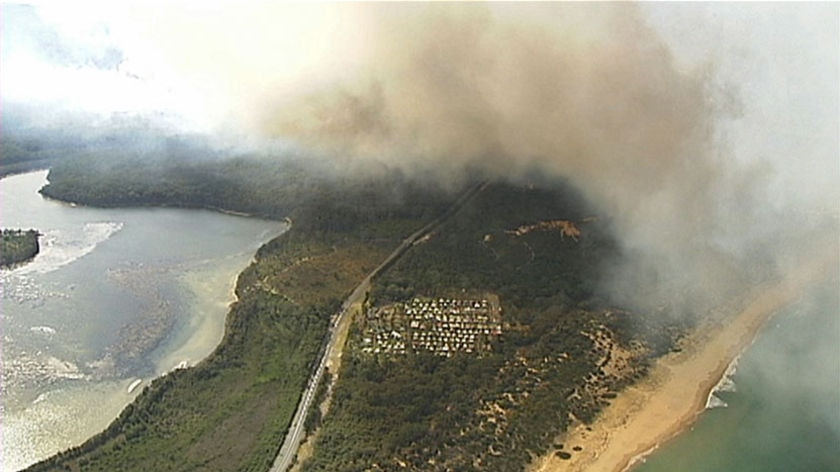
(653, 411)
(67, 412)
(206, 332)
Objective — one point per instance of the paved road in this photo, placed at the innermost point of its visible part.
(288, 450)
(296, 433)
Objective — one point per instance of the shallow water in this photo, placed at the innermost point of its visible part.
(114, 295)
(784, 411)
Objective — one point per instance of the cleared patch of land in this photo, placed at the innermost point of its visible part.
(443, 326)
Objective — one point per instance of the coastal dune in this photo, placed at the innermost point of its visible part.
(677, 389)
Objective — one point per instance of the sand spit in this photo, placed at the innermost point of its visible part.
(676, 391)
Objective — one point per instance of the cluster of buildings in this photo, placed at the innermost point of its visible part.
(442, 326)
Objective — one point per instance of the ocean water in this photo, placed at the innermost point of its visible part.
(115, 295)
(782, 404)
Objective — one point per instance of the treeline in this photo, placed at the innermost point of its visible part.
(423, 412)
(18, 246)
(317, 199)
(25, 147)
(19, 155)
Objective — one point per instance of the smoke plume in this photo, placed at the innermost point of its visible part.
(707, 134)
(589, 92)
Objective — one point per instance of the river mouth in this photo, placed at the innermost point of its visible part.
(115, 296)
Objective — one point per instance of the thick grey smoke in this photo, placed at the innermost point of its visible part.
(591, 92)
(706, 133)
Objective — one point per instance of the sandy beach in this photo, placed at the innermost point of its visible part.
(675, 392)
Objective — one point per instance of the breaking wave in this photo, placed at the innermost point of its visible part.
(725, 384)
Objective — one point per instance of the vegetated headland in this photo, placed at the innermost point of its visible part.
(18, 246)
(509, 343)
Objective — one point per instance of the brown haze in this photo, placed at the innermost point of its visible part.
(585, 91)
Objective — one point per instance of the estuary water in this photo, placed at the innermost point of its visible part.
(115, 296)
(779, 411)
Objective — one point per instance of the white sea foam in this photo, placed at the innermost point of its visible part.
(725, 384)
(715, 402)
(60, 247)
(43, 330)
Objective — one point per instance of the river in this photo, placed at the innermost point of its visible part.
(114, 296)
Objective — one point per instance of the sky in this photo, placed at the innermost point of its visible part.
(701, 128)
